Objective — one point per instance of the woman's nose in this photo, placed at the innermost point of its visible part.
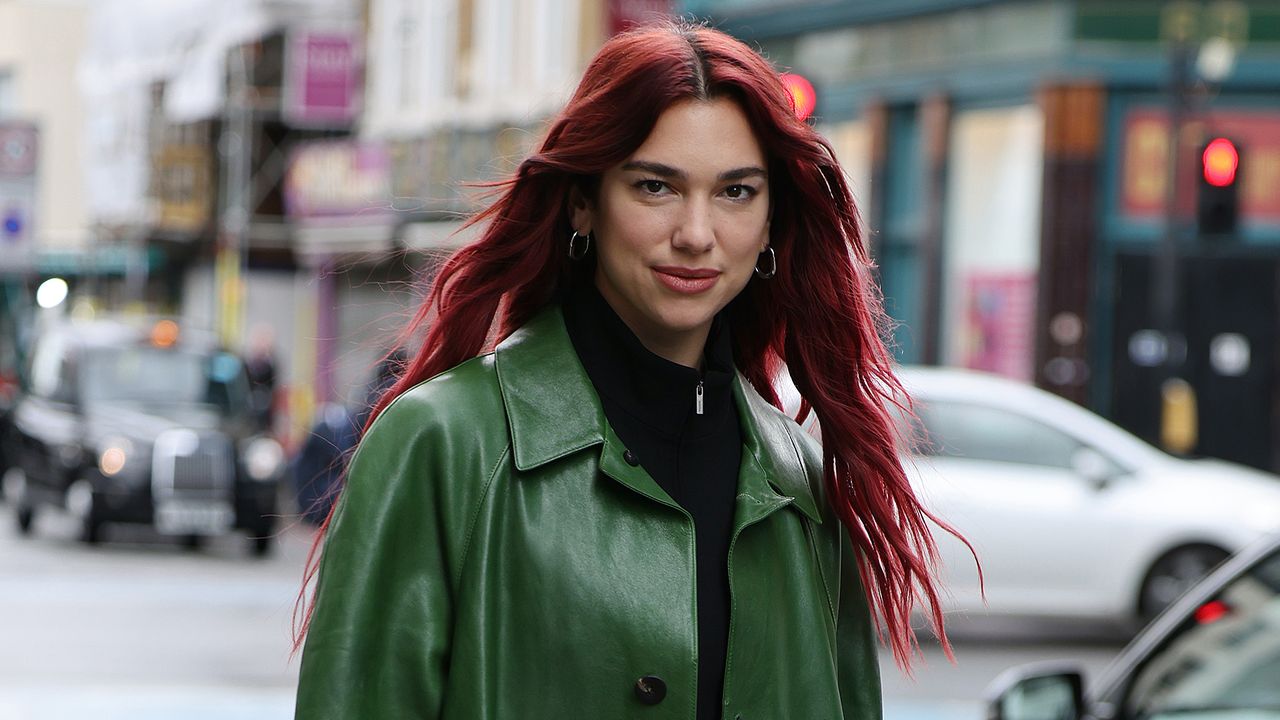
(696, 231)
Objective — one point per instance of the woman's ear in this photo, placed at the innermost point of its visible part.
(581, 216)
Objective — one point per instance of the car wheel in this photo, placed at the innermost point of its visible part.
(25, 516)
(1175, 572)
(15, 491)
(83, 504)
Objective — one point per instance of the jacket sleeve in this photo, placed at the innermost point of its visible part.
(379, 639)
(856, 642)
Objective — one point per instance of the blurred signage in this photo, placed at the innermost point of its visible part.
(1145, 163)
(626, 14)
(338, 178)
(431, 174)
(322, 78)
(19, 145)
(183, 188)
(999, 321)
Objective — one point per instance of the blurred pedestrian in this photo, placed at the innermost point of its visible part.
(607, 512)
(260, 366)
(317, 468)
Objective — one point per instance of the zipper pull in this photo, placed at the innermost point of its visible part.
(698, 397)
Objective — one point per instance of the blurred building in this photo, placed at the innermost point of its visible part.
(193, 107)
(44, 221)
(457, 93)
(298, 166)
(1012, 162)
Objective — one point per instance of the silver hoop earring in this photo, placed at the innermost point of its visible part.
(574, 252)
(773, 265)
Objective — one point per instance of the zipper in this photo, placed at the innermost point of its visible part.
(697, 395)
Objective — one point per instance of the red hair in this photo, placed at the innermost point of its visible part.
(821, 315)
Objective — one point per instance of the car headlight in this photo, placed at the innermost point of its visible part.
(114, 456)
(263, 458)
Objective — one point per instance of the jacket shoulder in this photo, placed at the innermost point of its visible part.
(465, 396)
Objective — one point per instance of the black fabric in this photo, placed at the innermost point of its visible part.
(650, 403)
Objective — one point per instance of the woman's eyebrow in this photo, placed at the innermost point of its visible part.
(667, 171)
(742, 172)
(655, 168)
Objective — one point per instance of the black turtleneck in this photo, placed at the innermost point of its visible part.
(650, 403)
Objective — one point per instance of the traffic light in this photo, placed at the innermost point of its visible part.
(803, 97)
(1218, 197)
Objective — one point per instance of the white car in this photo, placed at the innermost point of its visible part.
(1071, 516)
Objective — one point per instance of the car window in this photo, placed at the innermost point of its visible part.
(1226, 657)
(151, 375)
(51, 370)
(977, 432)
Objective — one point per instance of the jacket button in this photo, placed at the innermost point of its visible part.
(631, 458)
(651, 689)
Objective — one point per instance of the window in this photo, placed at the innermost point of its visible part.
(1225, 657)
(51, 371)
(976, 432)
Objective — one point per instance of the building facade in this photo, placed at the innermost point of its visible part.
(1012, 161)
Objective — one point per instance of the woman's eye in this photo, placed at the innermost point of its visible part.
(739, 192)
(653, 187)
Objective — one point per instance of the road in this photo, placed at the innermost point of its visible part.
(144, 629)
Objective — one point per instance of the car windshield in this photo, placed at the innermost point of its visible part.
(155, 376)
(1224, 662)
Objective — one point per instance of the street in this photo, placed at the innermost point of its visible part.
(145, 629)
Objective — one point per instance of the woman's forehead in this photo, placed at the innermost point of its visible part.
(699, 137)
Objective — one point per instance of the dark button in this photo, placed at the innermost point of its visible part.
(631, 458)
(651, 689)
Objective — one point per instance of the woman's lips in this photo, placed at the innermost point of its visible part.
(688, 281)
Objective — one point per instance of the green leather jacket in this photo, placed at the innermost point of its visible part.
(494, 556)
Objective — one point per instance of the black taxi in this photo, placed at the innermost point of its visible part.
(132, 421)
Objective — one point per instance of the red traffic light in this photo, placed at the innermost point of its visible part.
(803, 98)
(1220, 161)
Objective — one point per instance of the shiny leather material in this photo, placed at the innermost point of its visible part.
(495, 556)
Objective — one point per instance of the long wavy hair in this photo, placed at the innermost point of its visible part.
(821, 315)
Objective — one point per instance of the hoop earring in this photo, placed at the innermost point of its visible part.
(574, 252)
(773, 265)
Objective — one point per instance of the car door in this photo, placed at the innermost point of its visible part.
(46, 425)
(1005, 481)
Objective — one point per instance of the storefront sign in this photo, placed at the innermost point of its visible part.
(322, 78)
(338, 178)
(626, 14)
(999, 319)
(1144, 171)
(183, 188)
(19, 144)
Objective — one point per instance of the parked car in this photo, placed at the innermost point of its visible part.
(1213, 655)
(1071, 516)
(141, 422)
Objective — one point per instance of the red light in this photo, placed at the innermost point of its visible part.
(1212, 611)
(1221, 159)
(803, 98)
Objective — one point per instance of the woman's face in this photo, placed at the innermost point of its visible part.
(678, 225)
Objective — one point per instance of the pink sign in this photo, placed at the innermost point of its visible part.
(626, 14)
(999, 320)
(322, 84)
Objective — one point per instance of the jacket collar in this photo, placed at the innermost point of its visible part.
(553, 411)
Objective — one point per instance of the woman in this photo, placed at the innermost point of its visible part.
(606, 516)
